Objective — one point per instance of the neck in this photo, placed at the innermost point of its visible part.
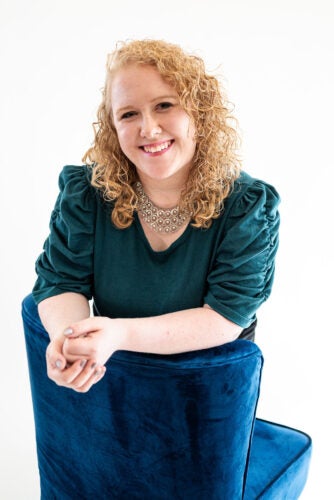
(164, 193)
(160, 219)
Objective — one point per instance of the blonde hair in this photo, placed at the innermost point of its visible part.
(215, 164)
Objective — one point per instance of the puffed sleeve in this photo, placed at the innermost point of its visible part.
(66, 264)
(242, 274)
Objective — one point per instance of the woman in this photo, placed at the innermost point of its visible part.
(161, 228)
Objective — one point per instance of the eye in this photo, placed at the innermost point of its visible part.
(127, 115)
(164, 105)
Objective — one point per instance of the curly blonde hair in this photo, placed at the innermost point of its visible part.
(215, 165)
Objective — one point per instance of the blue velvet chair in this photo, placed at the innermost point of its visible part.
(162, 428)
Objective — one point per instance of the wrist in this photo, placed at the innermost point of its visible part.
(121, 334)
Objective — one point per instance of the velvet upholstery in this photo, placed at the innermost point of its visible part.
(155, 427)
(279, 462)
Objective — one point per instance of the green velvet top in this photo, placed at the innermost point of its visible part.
(229, 266)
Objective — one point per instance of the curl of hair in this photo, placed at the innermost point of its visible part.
(216, 164)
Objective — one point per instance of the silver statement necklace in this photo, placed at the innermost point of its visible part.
(161, 220)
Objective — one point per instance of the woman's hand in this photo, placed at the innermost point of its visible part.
(79, 376)
(91, 338)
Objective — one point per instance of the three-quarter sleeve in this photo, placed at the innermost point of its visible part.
(241, 277)
(66, 263)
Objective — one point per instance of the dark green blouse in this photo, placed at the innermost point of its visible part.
(229, 266)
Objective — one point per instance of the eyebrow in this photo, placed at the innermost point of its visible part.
(160, 98)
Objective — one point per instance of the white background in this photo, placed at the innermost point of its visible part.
(277, 59)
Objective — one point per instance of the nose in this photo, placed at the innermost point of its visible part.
(149, 127)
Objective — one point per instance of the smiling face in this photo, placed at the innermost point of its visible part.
(153, 130)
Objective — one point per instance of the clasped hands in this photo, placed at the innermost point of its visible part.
(76, 358)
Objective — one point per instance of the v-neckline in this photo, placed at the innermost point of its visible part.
(167, 250)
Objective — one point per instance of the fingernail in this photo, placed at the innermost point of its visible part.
(68, 331)
(58, 363)
(99, 372)
(83, 362)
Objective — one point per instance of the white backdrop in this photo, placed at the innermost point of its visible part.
(277, 59)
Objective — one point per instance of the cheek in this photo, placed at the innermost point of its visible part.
(191, 139)
(191, 132)
(187, 128)
(124, 135)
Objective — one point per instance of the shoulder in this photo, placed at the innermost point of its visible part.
(75, 184)
(77, 197)
(75, 175)
(252, 204)
(250, 195)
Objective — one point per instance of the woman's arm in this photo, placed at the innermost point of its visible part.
(181, 331)
(56, 313)
(80, 345)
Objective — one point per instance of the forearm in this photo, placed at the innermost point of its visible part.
(182, 331)
(58, 312)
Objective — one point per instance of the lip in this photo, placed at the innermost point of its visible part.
(156, 145)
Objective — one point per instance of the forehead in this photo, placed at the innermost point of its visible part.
(138, 82)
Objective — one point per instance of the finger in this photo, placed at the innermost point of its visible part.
(96, 376)
(64, 376)
(82, 381)
(82, 328)
(54, 356)
(74, 372)
(99, 376)
(77, 347)
(80, 376)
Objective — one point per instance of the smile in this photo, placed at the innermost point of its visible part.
(157, 148)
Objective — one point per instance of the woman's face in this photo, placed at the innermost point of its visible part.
(154, 131)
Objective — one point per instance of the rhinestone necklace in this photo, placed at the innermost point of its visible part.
(161, 220)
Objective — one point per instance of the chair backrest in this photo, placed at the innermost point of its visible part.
(155, 427)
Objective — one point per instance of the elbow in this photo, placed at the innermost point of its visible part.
(230, 331)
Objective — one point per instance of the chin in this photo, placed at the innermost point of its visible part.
(163, 173)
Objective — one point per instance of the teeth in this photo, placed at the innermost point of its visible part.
(155, 149)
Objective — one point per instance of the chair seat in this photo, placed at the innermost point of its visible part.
(279, 462)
